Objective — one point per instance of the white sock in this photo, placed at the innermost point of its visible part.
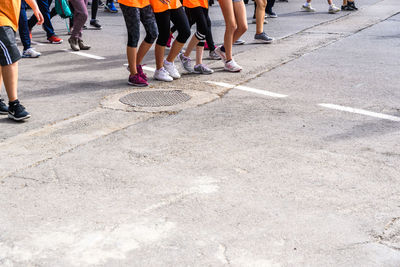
(167, 62)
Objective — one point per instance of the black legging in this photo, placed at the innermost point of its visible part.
(95, 7)
(268, 8)
(199, 15)
(178, 17)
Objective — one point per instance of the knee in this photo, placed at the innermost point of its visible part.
(151, 37)
(242, 28)
(183, 35)
(231, 27)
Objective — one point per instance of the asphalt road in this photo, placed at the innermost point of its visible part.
(293, 162)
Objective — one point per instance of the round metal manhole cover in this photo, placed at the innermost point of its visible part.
(155, 98)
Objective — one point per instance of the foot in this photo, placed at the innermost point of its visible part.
(30, 53)
(55, 39)
(272, 15)
(347, 8)
(232, 66)
(186, 63)
(308, 8)
(95, 24)
(162, 75)
(140, 72)
(73, 42)
(17, 112)
(171, 69)
(110, 8)
(263, 38)
(202, 69)
(220, 53)
(136, 80)
(333, 9)
(214, 55)
(3, 107)
(352, 4)
(82, 46)
(239, 42)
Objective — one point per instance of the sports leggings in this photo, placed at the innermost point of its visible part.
(199, 15)
(178, 17)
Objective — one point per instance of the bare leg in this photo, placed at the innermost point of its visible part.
(199, 54)
(330, 2)
(175, 49)
(131, 54)
(260, 15)
(230, 26)
(10, 78)
(143, 49)
(241, 19)
(191, 45)
(159, 53)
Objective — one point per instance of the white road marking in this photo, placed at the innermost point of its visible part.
(144, 67)
(248, 89)
(37, 43)
(84, 54)
(361, 111)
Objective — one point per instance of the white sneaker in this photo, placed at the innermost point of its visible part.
(333, 9)
(239, 42)
(308, 8)
(30, 53)
(162, 75)
(171, 69)
(220, 53)
(232, 66)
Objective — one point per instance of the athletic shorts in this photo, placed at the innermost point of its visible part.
(9, 52)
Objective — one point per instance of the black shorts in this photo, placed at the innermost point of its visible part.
(9, 52)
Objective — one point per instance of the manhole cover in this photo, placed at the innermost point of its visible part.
(155, 98)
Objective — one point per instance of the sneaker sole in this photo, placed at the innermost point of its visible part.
(333, 12)
(3, 112)
(60, 42)
(138, 84)
(18, 119)
(263, 41)
(307, 10)
(163, 80)
(232, 70)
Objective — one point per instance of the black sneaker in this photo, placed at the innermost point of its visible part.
(95, 23)
(352, 4)
(3, 107)
(17, 112)
(347, 8)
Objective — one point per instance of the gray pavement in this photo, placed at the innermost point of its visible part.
(230, 178)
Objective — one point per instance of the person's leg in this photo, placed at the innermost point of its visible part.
(80, 17)
(199, 55)
(148, 20)
(163, 24)
(198, 17)
(260, 15)
(24, 28)
(209, 36)
(270, 5)
(44, 9)
(95, 7)
(230, 26)
(10, 79)
(329, 2)
(241, 19)
(179, 18)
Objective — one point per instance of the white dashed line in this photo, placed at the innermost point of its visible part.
(36, 43)
(85, 54)
(248, 89)
(361, 111)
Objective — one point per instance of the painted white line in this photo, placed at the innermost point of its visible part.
(84, 54)
(361, 111)
(36, 43)
(144, 67)
(249, 89)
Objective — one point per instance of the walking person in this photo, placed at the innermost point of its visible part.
(23, 29)
(234, 13)
(166, 11)
(9, 55)
(94, 21)
(332, 8)
(260, 35)
(80, 17)
(47, 26)
(134, 12)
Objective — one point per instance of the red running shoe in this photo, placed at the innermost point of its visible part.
(55, 39)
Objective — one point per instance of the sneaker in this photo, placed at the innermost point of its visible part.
(3, 107)
(232, 66)
(110, 7)
(101, 4)
(30, 53)
(202, 69)
(214, 55)
(73, 42)
(95, 24)
(186, 63)
(169, 40)
(206, 46)
(333, 9)
(171, 69)
(263, 38)
(162, 75)
(136, 80)
(140, 71)
(347, 8)
(55, 39)
(82, 46)
(17, 112)
(220, 53)
(239, 42)
(271, 15)
(352, 4)
(308, 8)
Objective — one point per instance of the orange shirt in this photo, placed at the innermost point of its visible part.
(9, 13)
(160, 7)
(195, 3)
(135, 3)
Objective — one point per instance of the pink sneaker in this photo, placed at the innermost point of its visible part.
(136, 80)
(206, 46)
(170, 40)
(141, 73)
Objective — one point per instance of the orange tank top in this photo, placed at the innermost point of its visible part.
(195, 3)
(135, 3)
(158, 6)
